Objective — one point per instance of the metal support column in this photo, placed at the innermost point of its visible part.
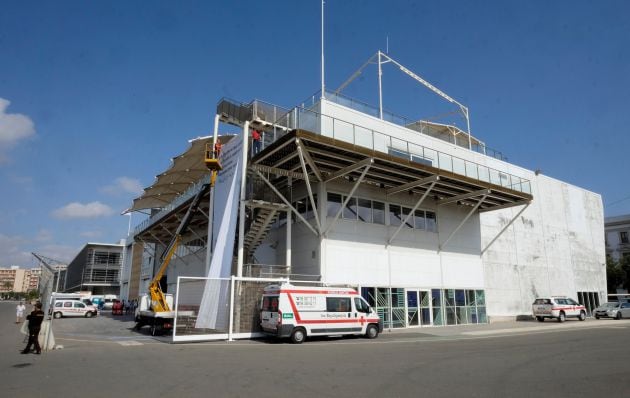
(504, 228)
(474, 209)
(418, 203)
(241, 218)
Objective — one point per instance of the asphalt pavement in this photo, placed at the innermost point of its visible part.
(103, 357)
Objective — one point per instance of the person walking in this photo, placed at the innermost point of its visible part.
(35, 320)
(256, 141)
(19, 312)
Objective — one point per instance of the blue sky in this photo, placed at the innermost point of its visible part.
(96, 97)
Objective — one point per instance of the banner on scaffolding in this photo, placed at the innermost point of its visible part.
(213, 311)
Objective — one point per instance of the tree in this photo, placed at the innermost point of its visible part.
(614, 274)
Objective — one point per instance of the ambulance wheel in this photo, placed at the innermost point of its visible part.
(540, 319)
(562, 317)
(371, 332)
(582, 316)
(298, 336)
(57, 315)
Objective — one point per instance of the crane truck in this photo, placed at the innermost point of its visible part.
(155, 309)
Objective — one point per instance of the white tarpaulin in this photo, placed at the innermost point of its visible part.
(213, 311)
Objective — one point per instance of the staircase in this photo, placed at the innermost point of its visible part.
(265, 214)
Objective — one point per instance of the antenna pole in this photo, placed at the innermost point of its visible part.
(380, 86)
(323, 94)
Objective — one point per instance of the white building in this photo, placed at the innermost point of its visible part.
(417, 215)
(617, 236)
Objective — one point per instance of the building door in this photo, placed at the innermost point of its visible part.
(418, 307)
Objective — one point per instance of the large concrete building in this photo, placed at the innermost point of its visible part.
(19, 280)
(430, 225)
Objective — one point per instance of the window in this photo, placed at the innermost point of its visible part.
(405, 213)
(365, 210)
(338, 304)
(78, 305)
(350, 211)
(270, 303)
(395, 215)
(623, 236)
(361, 305)
(431, 221)
(419, 222)
(67, 304)
(378, 213)
(334, 204)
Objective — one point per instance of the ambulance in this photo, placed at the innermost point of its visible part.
(298, 312)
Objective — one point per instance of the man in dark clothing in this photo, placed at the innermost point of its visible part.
(35, 320)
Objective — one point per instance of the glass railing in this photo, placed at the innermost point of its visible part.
(392, 118)
(368, 138)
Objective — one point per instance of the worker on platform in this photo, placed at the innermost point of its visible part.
(256, 142)
(217, 149)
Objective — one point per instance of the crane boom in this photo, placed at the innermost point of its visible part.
(158, 300)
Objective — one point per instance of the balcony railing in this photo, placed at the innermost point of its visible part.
(301, 118)
(391, 117)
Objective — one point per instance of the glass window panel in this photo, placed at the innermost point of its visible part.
(344, 131)
(395, 215)
(494, 177)
(419, 222)
(438, 319)
(378, 213)
(431, 221)
(484, 174)
(426, 316)
(505, 179)
(405, 213)
(461, 315)
(412, 317)
(445, 161)
(471, 170)
(365, 210)
(368, 294)
(412, 299)
(338, 304)
(327, 126)
(436, 298)
(350, 211)
(334, 204)
(470, 297)
(430, 155)
(449, 297)
(458, 166)
(526, 187)
(363, 137)
(460, 298)
(381, 142)
(425, 299)
(481, 297)
(450, 316)
(474, 317)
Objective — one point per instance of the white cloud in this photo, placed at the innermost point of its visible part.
(44, 235)
(14, 127)
(123, 185)
(11, 251)
(80, 210)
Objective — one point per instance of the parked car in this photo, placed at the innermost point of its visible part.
(73, 308)
(557, 307)
(613, 309)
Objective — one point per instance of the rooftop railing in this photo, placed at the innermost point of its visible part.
(301, 118)
(391, 117)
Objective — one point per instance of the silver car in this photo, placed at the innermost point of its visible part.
(614, 309)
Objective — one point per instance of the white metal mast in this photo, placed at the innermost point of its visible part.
(323, 94)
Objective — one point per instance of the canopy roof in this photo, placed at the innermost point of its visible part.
(185, 170)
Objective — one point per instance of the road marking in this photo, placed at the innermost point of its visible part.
(129, 342)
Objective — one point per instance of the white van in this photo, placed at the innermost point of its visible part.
(297, 312)
(73, 308)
